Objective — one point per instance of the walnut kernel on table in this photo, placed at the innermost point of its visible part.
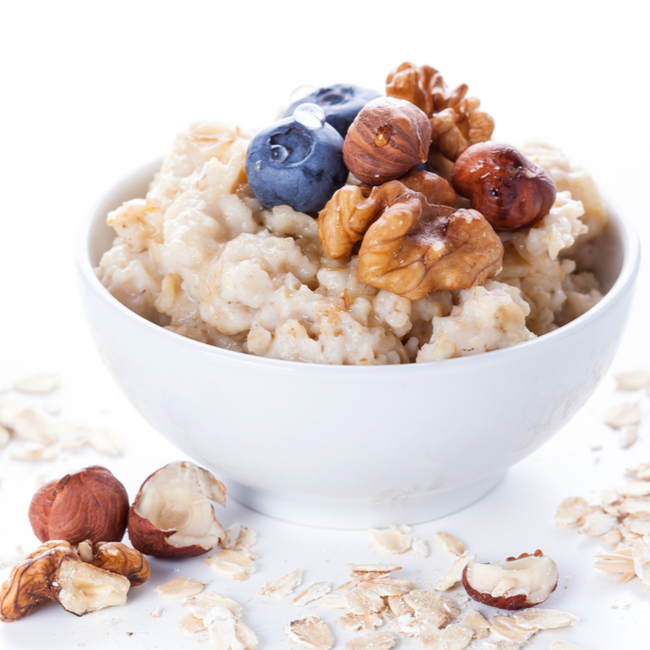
(56, 571)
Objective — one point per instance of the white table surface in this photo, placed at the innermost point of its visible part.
(89, 94)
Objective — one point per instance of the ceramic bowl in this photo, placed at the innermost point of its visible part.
(352, 447)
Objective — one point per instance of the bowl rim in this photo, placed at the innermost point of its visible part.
(629, 270)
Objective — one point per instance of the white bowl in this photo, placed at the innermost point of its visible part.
(352, 447)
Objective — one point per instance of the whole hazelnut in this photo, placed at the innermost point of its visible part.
(89, 505)
(388, 137)
(509, 190)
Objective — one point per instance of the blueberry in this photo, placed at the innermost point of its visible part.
(297, 161)
(339, 102)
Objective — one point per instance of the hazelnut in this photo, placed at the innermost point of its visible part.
(509, 190)
(172, 514)
(517, 583)
(89, 505)
(388, 137)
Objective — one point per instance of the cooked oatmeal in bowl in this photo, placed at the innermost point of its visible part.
(201, 256)
(366, 287)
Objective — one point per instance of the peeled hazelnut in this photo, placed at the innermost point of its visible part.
(388, 137)
(509, 190)
(173, 516)
(517, 583)
(89, 505)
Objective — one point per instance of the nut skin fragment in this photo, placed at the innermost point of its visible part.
(388, 137)
(353, 208)
(117, 558)
(509, 190)
(89, 505)
(415, 248)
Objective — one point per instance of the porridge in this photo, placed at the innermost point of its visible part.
(330, 278)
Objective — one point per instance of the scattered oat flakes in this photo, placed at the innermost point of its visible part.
(229, 633)
(369, 571)
(622, 415)
(572, 512)
(239, 538)
(202, 604)
(632, 380)
(507, 627)
(454, 573)
(5, 436)
(543, 619)
(31, 426)
(237, 564)
(283, 586)
(106, 442)
(179, 587)
(156, 612)
(372, 641)
(450, 544)
(191, 624)
(41, 383)
(35, 453)
(598, 523)
(628, 436)
(356, 622)
(310, 633)
(452, 637)
(393, 541)
(477, 623)
(313, 592)
(420, 547)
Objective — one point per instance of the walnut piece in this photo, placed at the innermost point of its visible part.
(456, 120)
(415, 248)
(352, 209)
(56, 572)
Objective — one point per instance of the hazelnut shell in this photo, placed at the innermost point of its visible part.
(88, 505)
(509, 190)
(152, 539)
(388, 137)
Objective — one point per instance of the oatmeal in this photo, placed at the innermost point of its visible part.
(201, 256)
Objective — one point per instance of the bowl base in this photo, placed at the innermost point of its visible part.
(356, 514)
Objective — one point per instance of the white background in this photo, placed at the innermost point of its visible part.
(89, 92)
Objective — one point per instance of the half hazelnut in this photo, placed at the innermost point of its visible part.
(517, 583)
(173, 516)
(509, 190)
(88, 505)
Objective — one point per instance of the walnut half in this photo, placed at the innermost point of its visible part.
(415, 247)
(348, 214)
